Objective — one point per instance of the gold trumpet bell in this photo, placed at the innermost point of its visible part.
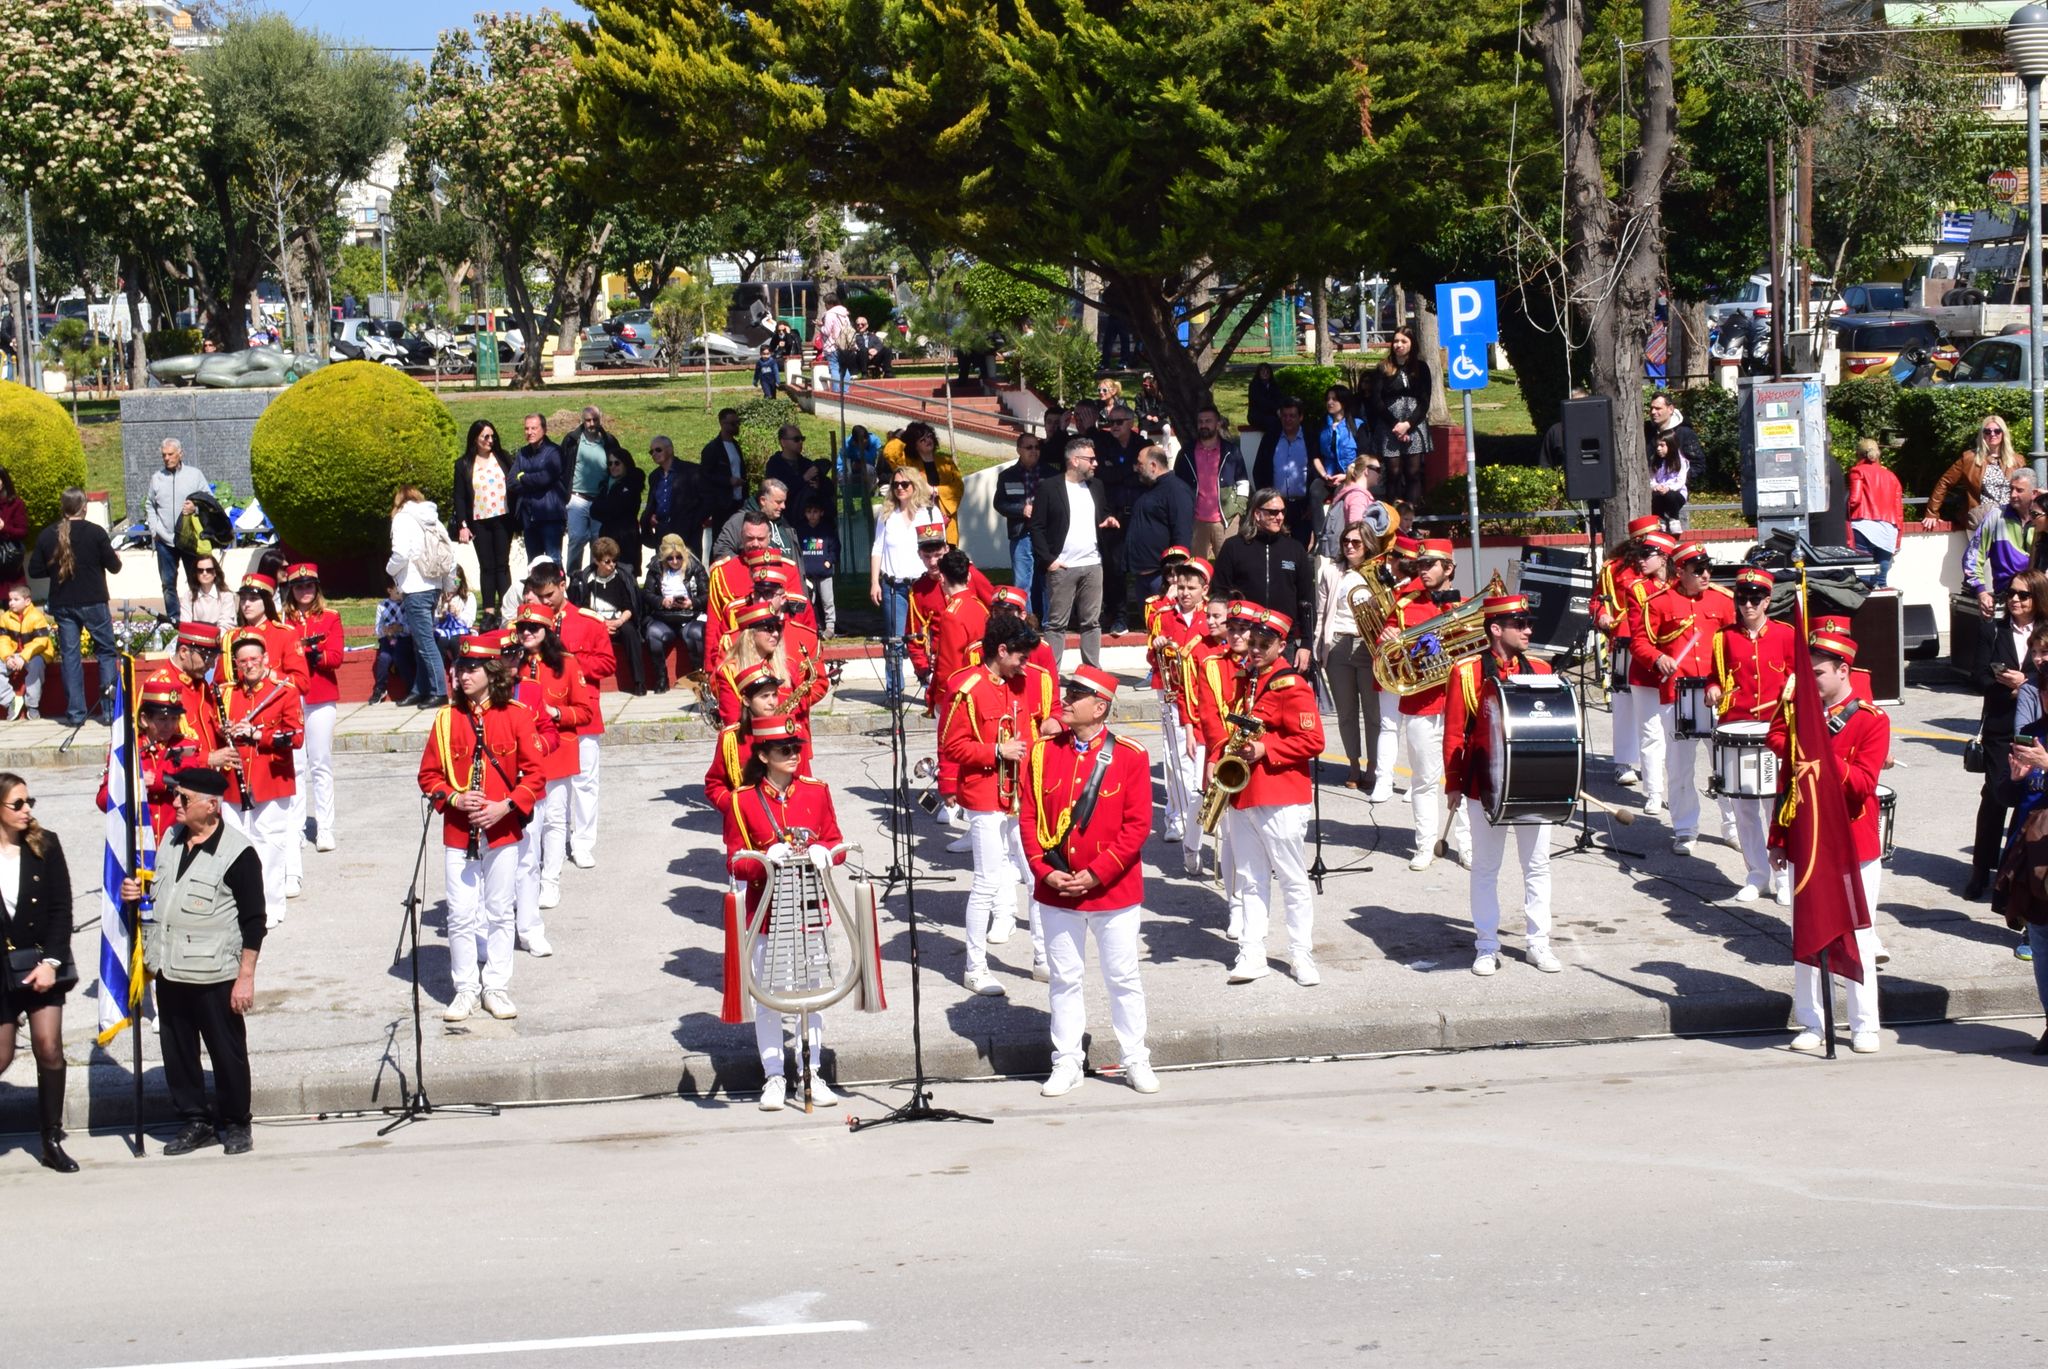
(1425, 655)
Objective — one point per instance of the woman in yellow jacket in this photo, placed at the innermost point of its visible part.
(918, 445)
(27, 646)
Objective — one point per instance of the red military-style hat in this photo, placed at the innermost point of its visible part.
(1404, 545)
(1504, 605)
(303, 570)
(774, 728)
(1689, 551)
(929, 534)
(1244, 611)
(204, 635)
(764, 616)
(479, 646)
(1660, 541)
(1833, 624)
(161, 690)
(256, 579)
(1176, 552)
(1438, 547)
(242, 636)
(1837, 644)
(754, 676)
(535, 615)
(1093, 679)
(1200, 565)
(1756, 577)
(1013, 596)
(1274, 621)
(1637, 527)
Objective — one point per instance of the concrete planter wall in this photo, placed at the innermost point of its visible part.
(213, 425)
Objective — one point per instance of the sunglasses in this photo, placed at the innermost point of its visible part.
(1516, 620)
(1753, 596)
(778, 749)
(19, 805)
(900, 485)
(1991, 432)
(1353, 542)
(2020, 594)
(1272, 513)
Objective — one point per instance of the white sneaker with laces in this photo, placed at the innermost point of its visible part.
(1544, 959)
(1305, 972)
(1064, 1079)
(583, 860)
(984, 984)
(822, 1095)
(1654, 808)
(498, 1004)
(956, 817)
(459, 1007)
(1421, 860)
(1383, 792)
(323, 842)
(1251, 964)
(550, 895)
(1781, 892)
(1000, 929)
(1041, 970)
(774, 1092)
(535, 943)
(1486, 963)
(293, 888)
(963, 842)
(1748, 893)
(1682, 846)
(1175, 834)
(1807, 1043)
(1141, 1078)
(1628, 779)
(1865, 1043)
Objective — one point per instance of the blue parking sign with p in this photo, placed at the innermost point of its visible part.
(1465, 312)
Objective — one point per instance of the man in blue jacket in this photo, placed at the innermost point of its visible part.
(540, 489)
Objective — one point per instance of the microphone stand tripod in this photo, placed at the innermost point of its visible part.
(415, 1106)
(1317, 870)
(1590, 668)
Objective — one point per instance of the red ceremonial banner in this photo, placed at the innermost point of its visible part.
(1827, 891)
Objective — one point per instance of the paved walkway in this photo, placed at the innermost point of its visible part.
(629, 1004)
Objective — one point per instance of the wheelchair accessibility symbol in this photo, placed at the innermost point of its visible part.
(1467, 373)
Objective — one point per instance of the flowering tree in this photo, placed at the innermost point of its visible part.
(490, 135)
(100, 122)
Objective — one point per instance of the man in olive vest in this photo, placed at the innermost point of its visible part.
(202, 952)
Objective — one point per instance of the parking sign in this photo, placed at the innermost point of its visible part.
(1465, 313)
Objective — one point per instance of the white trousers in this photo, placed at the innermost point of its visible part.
(1628, 743)
(1183, 778)
(583, 799)
(1653, 730)
(768, 1027)
(1066, 952)
(1806, 1005)
(314, 760)
(1752, 831)
(1193, 839)
(31, 684)
(270, 829)
(1266, 843)
(997, 845)
(480, 898)
(1425, 738)
(540, 852)
(1489, 847)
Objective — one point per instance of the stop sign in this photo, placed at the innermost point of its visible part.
(2005, 184)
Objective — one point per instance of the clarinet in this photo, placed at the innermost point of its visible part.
(241, 762)
(475, 850)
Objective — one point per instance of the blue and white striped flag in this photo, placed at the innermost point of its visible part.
(121, 974)
(1955, 226)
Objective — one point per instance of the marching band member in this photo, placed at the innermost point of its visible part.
(1170, 562)
(1861, 737)
(194, 653)
(759, 643)
(1678, 629)
(1219, 689)
(552, 681)
(761, 693)
(1859, 678)
(1422, 713)
(320, 635)
(482, 769)
(927, 597)
(955, 633)
(264, 722)
(773, 802)
(1269, 817)
(1467, 775)
(256, 610)
(1174, 622)
(1754, 657)
(1083, 829)
(775, 582)
(731, 578)
(161, 746)
(1618, 575)
(1645, 682)
(985, 735)
(585, 637)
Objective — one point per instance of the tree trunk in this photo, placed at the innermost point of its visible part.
(1319, 305)
(319, 291)
(138, 355)
(526, 375)
(1091, 318)
(1430, 347)
(1690, 361)
(1140, 303)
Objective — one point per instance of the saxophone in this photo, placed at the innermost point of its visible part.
(475, 849)
(1233, 769)
(790, 705)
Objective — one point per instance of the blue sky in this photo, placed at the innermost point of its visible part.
(398, 23)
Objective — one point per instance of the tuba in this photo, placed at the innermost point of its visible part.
(1233, 769)
(1425, 655)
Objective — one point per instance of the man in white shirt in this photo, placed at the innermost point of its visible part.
(1066, 524)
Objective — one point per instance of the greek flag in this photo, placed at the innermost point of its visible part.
(121, 975)
(1955, 227)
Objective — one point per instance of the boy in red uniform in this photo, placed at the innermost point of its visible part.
(1645, 682)
(482, 770)
(1861, 737)
(956, 633)
(1754, 657)
(1268, 818)
(1679, 626)
(1422, 713)
(585, 637)
(1618, 575)
(1174, 622)
(1469, 777)
(264, 722)
(1087, 812)
(193, 656)
(772, 805)
(320, 634)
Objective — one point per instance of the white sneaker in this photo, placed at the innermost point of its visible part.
(984, 984)
(1175, 834)
(1748, 893)
(1421, 860)
(293, 888)
(1250, 965)
(1486, 963)
(1041, 970)
(459, 1007)
(1808, 1043)
(1628, 778)
(1682, 846)
(535, 943)
(963, 842)
(583, 860)
(1545, 959)
(1654, 808)
(1305, 972)
(1865, 1043)
(1382, 792)
(822, 1095)
(498, 1004)
(1781, 893)
(956, 817)
(550, 895)
(1000, 929)
(323, 842)
(1141, 1078)
(774, 1092)
(1730, 837)
(1064, 1079)
(272, 923)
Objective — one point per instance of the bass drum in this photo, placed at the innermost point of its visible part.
(1535, 751)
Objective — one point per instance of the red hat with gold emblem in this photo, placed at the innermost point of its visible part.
(762, 616)
(931, 534)
(1689, 551)
(1244, 611)
(1274, 621)
(1756, 577)
(1093, 679)
(754, 556)
(1404, 545)
(256, 579)
(1837, 644)
(162, 691)
(535, 615)
(244, 636)
(479, 646)
(1504, 605)
(751, 677)
(1660, 541)
(1199, 565)
(303, 570)
(1176, 552)
(1013, 596)
(1833, 624)
(774, 727)
(203, 635)
(1638, 526)
(1438, 547)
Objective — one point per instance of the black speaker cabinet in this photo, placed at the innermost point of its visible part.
(1879, 630)
(1588, 449)
(1561, 602)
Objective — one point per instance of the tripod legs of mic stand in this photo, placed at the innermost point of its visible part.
(1317, 870)
(919, 1108)
(416, 1105)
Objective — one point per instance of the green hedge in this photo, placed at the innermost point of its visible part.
(1937, 422)
(170, 342)
(328, 453)
(760, 419)
(1710, 412)
(877, 308)
(40, 448)
(1308, 384)
(1505, 490)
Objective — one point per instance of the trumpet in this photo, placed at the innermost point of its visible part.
(1233, 769)
(1006, 771)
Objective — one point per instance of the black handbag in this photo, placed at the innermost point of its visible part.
(21, 964)
(1973, 755)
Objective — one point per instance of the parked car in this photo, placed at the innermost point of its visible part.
(1994, 361)
(1871, 343)
(1753, 296)
(634, 326)
(1873, 297)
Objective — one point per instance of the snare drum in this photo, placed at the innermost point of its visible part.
(1887, 819)
(1692, 715)
(1745, 767)
(1534, 759)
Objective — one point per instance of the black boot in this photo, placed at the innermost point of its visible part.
(50, 1099)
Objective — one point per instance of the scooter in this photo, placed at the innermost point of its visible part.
(1915, 367)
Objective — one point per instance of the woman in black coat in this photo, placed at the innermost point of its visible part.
(2003, 667)
(481, 488)
(616, 507)
(35, 912)
(1402, 388)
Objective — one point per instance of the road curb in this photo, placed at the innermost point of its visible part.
(100, 1094)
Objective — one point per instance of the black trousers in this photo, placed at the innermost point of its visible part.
(492, 538)
(1991, 809)
(1111, 541)
(189, 1014)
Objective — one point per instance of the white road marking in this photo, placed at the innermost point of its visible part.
(515, 1347)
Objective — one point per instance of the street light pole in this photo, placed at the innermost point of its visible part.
(31, 363)
(384, 250)
(2026, 42)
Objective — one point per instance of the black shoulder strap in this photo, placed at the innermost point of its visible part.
(1085, 807)
(477, 731)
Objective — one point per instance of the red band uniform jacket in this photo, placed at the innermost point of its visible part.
(1109, 845)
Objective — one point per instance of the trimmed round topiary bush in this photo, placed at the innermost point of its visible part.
(39, 446)
(329, 451)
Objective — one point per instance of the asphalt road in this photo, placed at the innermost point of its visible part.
(1687, 1202)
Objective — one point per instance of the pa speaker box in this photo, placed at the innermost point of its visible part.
(1588, 449)
(1879, 630)
(1561, 602)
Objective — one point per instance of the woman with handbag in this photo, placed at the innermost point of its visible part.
(2005, 668)
(674, 594)
(35, 912)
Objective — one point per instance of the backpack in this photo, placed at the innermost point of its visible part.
(436, 559)
(1330, 541)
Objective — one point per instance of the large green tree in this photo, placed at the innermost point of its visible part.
(1196, 157)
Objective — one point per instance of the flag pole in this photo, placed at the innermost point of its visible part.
(130, 763)
(1827, 979)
